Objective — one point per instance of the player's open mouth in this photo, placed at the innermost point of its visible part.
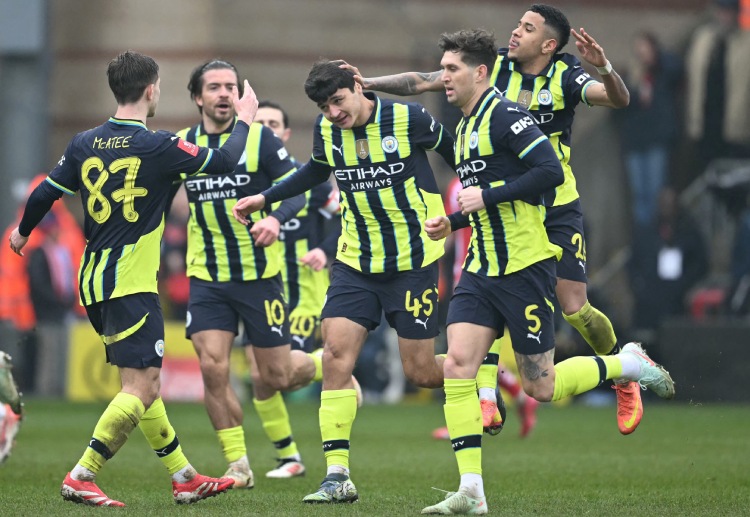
(223, 106)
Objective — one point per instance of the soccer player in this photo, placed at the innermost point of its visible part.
(550, 84)
(125, 174)
(491, 373)
(235, 275)
(307, 251)
(506, 164)
(385, 263)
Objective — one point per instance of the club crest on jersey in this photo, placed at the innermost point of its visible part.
(389, 144)
(363, 148)
(524, 98)
(159, 347)
(473, 140)
(544, 97)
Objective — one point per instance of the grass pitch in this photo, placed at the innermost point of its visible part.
(683, 460)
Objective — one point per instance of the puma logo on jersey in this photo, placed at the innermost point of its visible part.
(300, 340)
(537, 337)
(276, 329)
(424, 323)
(337, 148)
(513, 108)
(583, 266)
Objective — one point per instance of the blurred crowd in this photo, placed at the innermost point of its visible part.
(688, 112)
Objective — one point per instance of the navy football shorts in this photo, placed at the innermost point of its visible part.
(259, 304)
(409, 299)
(521, 300)
(564, 226)
(132, 328)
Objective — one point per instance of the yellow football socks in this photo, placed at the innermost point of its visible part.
(338, 408)
(161, 437)
(112, 430)
(581, 374)
(275, 419)
(595, 328)
(487, 374)
(232, 442)
(463, 416)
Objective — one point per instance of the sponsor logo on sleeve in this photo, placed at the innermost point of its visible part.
(282, 153)
(189, 148)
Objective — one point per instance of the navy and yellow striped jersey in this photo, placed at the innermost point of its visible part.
(125, 174)
(220, 249)
(387, 185)
(551, 97)
(305, 288)
(493, 145)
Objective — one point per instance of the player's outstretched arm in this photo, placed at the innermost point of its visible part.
(246, 206)
(611, 92)
(405, 84)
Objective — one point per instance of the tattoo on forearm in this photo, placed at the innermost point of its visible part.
(534, 367)
(403, 84)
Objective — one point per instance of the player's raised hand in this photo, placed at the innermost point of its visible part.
(589, 49)
(470, 200)
(247, 106)
(357, 75)
(17, 242)
(437, 228)
(246, 206)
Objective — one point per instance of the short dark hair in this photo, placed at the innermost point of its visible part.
(195, 84)
(477, 47)
(129, 74)
(276, 106)
(325, 78)
(556, 20)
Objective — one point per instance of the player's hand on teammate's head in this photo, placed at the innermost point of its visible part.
(246, 206)
(470, 200)
(437, 228)
(357, 75)
(246, 106)
(266, 231)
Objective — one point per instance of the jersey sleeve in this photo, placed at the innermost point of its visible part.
(430, 134)
(520, 134)
(274, 158)
(183, 157)
(576, 83)
(64, 177)
(514, 128)
(319, 158)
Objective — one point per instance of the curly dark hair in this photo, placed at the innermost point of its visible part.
(556, 21)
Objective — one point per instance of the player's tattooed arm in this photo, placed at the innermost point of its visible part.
(409, 83)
